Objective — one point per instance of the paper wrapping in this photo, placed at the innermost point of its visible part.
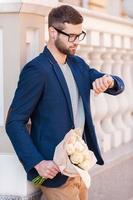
(66, 167)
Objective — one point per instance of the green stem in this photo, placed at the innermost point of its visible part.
(38, 180)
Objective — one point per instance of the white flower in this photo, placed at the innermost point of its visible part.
(85, 165)
(78, 151)
(76, 158)
(72, 139)
(86, 154)
(82, 141)
(70, 149)
(79, 146)
(79, 132)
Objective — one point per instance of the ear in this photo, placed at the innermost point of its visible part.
(52, 33)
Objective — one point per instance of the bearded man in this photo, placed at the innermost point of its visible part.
(54, 93)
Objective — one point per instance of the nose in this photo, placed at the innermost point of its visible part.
(76, 41)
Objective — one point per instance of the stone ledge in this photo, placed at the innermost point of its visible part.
(114, 157)
(34, 196)
(114, 181)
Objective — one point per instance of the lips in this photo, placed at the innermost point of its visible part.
(73, 48)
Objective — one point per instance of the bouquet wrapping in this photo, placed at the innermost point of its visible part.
(73, 156)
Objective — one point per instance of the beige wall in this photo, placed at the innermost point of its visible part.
(112, 7)
(72, 2)
(97, 5)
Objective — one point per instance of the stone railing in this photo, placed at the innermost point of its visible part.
(107, 47)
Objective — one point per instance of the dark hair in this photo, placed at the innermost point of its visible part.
(64, 14)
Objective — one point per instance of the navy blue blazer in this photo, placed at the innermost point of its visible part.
(42, 96)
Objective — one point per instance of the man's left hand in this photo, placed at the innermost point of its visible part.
(102, 84)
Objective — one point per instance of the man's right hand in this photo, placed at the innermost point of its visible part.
(47, 169)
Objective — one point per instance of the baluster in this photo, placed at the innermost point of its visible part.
(127, 75)
(123, 104)
(107, 125)
(100, 105)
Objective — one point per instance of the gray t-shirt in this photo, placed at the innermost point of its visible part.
(76, 100)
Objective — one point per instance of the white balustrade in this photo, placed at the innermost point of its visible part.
(106, 52)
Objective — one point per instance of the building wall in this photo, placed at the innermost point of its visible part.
(103, 6)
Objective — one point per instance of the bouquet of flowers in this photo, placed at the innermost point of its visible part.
(73, 157)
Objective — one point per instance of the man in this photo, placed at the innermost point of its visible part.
(54, 92)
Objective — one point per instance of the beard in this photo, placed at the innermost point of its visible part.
(63, 49)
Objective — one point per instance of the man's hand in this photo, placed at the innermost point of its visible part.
(102, 84)
(47, 169)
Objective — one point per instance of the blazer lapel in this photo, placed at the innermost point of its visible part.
(61, 79)
(64, 87)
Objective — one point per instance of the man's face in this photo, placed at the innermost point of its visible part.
(64, 43)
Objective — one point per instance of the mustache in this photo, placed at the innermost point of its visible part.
(74, 46)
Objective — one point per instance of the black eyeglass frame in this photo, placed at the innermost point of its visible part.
(69, 35)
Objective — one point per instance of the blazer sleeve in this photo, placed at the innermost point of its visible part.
(28, 92)
(118, 82)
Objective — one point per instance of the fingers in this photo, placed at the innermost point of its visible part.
(47, 169)
(51, 169)
(102, 84)
(49, 174)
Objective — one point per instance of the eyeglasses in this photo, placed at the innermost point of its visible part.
(72, 37)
